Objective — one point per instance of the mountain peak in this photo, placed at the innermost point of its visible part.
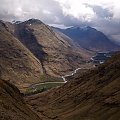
(16, 22)
(33, 21)
(30, 21)
(84, 28)
(74, 27)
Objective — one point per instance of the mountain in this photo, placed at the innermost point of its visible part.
(93, 95)
(52, 50)
(31, 52)
(12, 105)
(90, 38)
(84, 52)
(17, 64)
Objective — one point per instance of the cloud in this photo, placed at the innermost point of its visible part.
(100, 11)
(46, 10)
(101, 14)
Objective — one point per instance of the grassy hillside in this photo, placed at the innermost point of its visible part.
(17, 64)
(12, 105)
(94, 95)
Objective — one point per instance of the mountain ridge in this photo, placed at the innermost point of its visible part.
(90, 38)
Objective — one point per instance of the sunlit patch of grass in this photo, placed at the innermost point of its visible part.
(41, 88)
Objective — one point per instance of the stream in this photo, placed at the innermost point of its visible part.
(63, 77)
(74, 72)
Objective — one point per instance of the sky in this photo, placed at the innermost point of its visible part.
(103, 15)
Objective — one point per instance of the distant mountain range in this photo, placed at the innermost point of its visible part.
(90, 38)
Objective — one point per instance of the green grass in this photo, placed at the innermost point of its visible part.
(41, 88)
(47, 78)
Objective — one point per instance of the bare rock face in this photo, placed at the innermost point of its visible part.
(17, 64)
(12, 105)
(94, 95)
(57, 55)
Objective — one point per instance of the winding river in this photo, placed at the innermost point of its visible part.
(63, 77)
(74, 72)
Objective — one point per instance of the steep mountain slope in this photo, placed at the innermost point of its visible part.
(50, 48)
(12, 105)
(90, 38)
(84, 52)
(94, 95)
(17, 64)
